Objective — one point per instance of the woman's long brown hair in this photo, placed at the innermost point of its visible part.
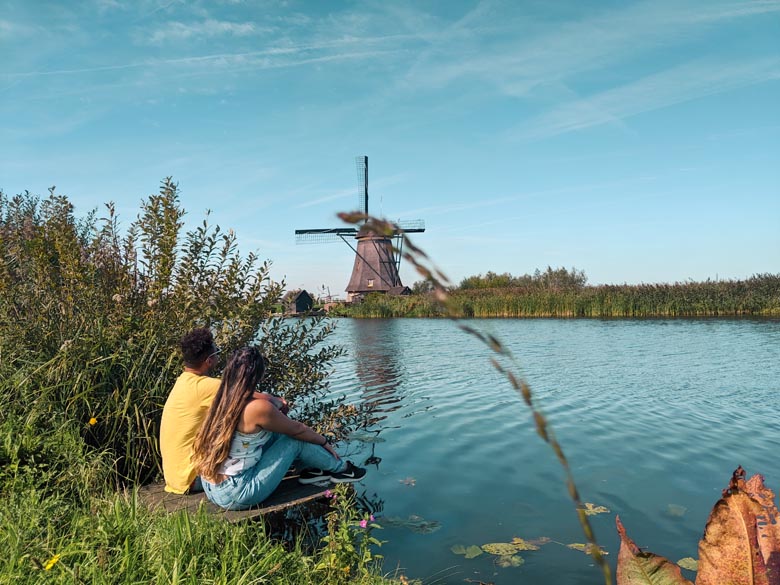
(244, 370)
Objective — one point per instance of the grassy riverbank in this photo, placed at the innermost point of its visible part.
(91, 319)
(755, 296)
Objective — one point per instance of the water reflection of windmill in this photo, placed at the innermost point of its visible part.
(377, 261)
(377, 353)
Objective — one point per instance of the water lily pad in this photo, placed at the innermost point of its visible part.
(470, 552)
(675, 511)
(592, 510)
(509, 561)
(500, 549)
(521, 544)
(586, 548)
(689, 563)
(539, 541)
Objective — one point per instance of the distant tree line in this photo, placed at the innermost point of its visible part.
(552, 279)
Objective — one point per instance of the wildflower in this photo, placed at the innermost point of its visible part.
(92, 421)
(117, 298)
(364, 523)
(328, 494)
(371, 517)
(51, 562)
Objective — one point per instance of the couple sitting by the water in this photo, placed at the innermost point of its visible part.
(246, 443)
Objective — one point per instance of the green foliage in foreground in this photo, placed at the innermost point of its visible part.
(91, 317)
(112, 539)
(756, 296)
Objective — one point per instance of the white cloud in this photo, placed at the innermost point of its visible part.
(517, 59)
(667, 88)
(177, 31)
(343, 194)
(9, 29)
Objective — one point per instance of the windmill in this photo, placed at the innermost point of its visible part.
(377, 261)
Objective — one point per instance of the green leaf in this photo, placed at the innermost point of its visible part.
(509, 561)
(500, 549)
(458, 549)
(689, 563)
(473, 551)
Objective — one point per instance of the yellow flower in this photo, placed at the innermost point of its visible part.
(51, 562)
(92, 421)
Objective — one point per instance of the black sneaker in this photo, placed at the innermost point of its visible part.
(314, 476)
(350, 474)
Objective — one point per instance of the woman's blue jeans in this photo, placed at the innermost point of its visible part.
(253, 485)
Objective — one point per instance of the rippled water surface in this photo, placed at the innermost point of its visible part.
(654, 415)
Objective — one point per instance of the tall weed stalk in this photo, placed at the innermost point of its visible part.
(502, 360)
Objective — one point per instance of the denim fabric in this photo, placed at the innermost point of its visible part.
(196, 485)
(255, 484)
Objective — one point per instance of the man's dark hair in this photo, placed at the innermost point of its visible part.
(196, 346)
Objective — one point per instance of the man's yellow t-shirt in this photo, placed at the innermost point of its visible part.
(183, 413)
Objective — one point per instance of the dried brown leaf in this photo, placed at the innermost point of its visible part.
(768, 526)
(729, 551)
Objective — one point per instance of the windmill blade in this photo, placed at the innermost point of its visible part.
(361, 163)
(412, 226)
(323, 236)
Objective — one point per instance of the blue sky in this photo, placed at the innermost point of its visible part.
(638, 141)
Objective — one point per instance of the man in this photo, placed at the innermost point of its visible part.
(186, 408)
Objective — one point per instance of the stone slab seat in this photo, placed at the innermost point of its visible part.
(289, 494)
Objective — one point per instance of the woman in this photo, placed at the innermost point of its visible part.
(247, 444)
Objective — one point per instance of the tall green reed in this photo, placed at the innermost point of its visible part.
(758, 295)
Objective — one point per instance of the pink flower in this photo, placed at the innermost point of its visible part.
(371, 517)
(328, 494)
(364, 523)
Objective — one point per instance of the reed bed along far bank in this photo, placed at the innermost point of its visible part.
(757, 296)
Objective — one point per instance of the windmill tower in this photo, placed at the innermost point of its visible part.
(376, 262)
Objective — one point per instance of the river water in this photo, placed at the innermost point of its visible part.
(653, 415)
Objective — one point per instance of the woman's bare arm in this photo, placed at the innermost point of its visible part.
(261, 413)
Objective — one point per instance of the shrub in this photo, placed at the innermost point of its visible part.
(92, 315)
